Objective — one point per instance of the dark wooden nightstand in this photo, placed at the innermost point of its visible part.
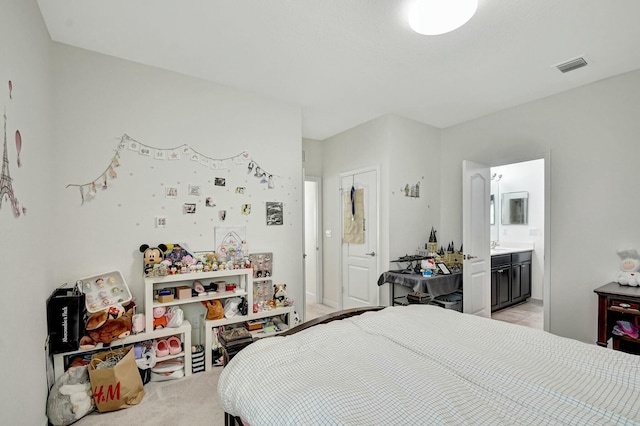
(618, 303)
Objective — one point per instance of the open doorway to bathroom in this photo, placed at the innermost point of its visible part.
(517, 220)
(313, 250)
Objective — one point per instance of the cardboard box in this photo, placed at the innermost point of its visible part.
(253, 325)
(183, 292)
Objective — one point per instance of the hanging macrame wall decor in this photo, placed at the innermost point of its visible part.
(353, 216)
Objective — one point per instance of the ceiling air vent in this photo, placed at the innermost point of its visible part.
(571, 65)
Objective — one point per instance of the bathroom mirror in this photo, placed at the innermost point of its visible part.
(492, 210)
(515, 208)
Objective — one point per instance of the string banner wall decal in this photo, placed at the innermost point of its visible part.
(89, 190)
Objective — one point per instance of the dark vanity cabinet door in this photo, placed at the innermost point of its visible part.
(500, 281)
(520, 276)
(510, 279)
(504, 286)
(516, 283)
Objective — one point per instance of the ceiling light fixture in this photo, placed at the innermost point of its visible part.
(434, 17)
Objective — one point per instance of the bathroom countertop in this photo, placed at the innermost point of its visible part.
(508, 250)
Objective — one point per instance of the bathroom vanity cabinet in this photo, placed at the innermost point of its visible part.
(510, 279)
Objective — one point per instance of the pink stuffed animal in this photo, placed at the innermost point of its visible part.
(159, 318)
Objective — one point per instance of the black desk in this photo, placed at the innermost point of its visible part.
(435, 285)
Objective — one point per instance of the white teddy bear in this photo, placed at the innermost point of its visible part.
(629, 266)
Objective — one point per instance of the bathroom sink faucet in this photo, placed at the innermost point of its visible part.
(494, 244)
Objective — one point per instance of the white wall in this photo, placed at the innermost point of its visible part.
(591, 135)
(414, 153)
(27, 250)
(406, 152)
(71, 106)
(362, 146)
(99, 98)
(313, 154)
(524, 176)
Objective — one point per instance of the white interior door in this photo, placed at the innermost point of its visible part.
(360, 260)
(476, 276)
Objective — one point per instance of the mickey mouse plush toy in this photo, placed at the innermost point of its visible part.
(152, 256)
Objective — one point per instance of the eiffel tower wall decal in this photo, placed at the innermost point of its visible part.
(6, 189)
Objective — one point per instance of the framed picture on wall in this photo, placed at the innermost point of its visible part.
(274, 213)
(443, 269)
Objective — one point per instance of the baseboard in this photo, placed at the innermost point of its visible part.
(330, 303)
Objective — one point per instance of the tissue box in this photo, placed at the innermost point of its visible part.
(165, 296)
(183, 292)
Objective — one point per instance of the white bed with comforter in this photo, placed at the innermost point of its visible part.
(423, 364)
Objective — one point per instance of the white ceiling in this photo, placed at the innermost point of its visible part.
(345, 62)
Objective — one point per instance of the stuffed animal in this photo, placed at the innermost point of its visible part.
(159, 317)
(101, 328)
(70, 397)
(176, 253)
(279, 293)
(152, 256)
(215, 310)
(138, 323)
(629, 267)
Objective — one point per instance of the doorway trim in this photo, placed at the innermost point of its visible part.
(546, 279)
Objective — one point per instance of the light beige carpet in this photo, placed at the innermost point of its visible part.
(190, 401)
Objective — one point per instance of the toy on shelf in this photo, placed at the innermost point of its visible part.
(137, 323)
(159, 317)
(175, 252)
(215, 310)
(452, 258)
(174, 259)
(262, 295)
(262, 264)
(280, 294)
(629, 267)
(152, 258)
(104, 290)
(432, 245)
(102, 327)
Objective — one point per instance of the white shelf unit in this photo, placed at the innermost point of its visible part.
(209, 325)
(243, 278)
(184, 331)
(243, 288)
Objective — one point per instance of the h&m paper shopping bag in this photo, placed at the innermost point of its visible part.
(119, 385)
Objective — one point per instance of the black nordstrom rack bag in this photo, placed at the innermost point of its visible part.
(65, 319)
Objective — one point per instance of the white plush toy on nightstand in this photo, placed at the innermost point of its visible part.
(629, 267)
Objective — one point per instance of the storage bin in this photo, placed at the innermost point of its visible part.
(418, 298)
(197, 359)
(449, 301)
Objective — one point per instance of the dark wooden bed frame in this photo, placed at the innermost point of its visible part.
(230, 420)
